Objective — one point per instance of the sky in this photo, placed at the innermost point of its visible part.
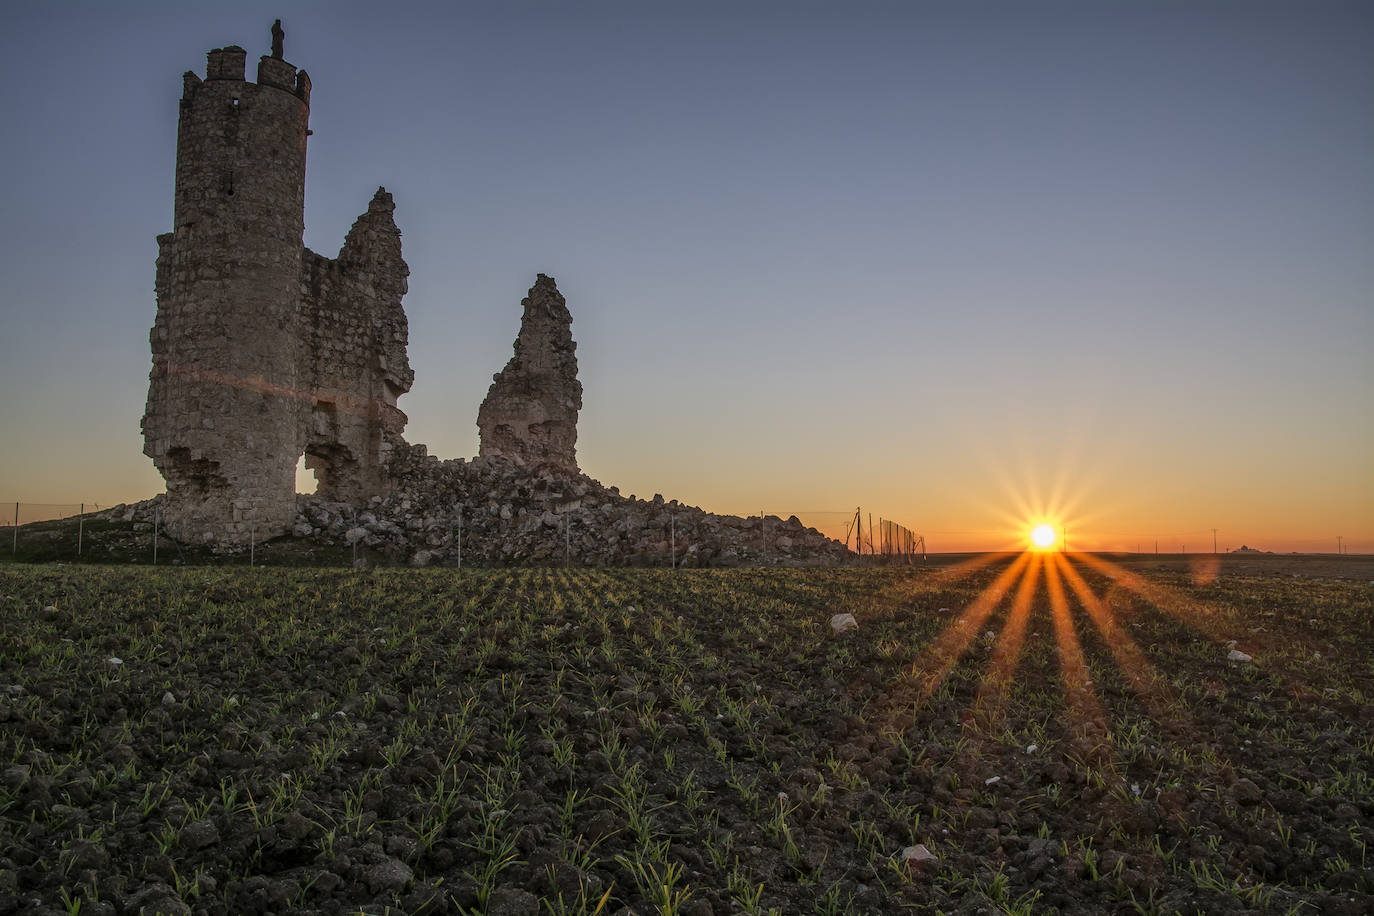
(964, 266)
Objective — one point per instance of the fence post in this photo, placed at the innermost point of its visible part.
(460, 537)
(14, 544)
(672, 536)
(80, 528)
(567, 540)
(252, 539)
(157, 516)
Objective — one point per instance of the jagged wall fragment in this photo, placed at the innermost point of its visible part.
(529, 416)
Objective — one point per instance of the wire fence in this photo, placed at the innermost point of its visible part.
(44, 531)
(18, 514)
(868, 536)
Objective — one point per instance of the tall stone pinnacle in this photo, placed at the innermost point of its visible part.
(529, 416)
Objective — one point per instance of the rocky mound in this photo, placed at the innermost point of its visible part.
(502, 513)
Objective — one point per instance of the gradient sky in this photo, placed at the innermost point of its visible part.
(961, 264)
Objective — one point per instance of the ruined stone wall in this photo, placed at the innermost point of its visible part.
(353, 352)
(529, 416)
(261, 349)
(264, 350)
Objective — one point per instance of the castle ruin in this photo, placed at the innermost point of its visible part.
(262, 349)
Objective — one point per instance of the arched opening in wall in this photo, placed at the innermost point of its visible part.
(335, 470)
(307, 481)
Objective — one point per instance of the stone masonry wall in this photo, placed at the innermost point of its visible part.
(262, 350)
(353, 351)
(529, 417)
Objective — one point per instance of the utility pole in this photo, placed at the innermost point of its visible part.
(1214, 540)
(1338, 545)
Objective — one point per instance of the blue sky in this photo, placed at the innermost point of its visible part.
(960, 263)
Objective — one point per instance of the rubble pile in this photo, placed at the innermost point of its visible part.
(503, 513)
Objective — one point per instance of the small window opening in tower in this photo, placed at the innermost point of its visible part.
(234, 102)
(229, 183)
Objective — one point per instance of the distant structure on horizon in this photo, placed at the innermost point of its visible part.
(264, 350)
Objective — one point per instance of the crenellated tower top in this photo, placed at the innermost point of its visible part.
(230, 63)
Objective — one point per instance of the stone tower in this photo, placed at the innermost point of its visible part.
(529, 416)
(263, 350)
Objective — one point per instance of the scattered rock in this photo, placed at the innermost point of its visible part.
(916, 857)
(843, 623)
(1235, 655)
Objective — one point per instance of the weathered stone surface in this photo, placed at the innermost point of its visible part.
(263, 350)
(529, 416)
(914, 857)
(491, 511)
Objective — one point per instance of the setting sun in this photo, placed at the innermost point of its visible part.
(1042, 536)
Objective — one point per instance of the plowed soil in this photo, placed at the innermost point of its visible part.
(1060, 736)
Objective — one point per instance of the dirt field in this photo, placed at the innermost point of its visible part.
(1057, 737)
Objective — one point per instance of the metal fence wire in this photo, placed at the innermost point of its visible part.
(867, 540)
